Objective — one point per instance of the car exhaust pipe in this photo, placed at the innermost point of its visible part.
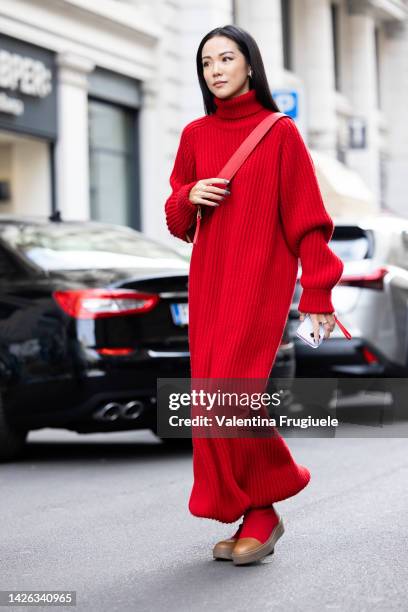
(108, 412)
(132, 410)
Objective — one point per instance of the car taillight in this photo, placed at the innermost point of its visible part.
(371, 280)
(115, 352)
(369, 356)
(100, 303)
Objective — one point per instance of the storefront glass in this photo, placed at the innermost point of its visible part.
(112, 162)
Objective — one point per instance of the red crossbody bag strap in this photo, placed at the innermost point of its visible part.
(249, 144)
(343, 329)
(241, 154)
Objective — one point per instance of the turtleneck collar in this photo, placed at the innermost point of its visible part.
(235, 108)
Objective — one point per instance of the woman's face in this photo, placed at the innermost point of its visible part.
(223, 61)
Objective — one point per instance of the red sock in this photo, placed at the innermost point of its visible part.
(259, 523)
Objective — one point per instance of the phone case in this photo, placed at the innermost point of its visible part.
(305, 332)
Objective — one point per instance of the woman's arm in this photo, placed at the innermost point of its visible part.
(180, 212)
(307, 226)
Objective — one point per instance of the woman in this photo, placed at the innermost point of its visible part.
(242, 276)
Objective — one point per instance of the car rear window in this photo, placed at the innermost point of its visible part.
(78, 247)
(350, 242)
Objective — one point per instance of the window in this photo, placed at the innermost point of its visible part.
(383, 174)
(286, 6)
(350, 243)
(113, 168)
(81, 246)
(336, 42)
(234, 12)
(377, 65)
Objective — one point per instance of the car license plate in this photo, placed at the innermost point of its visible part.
(179, 312)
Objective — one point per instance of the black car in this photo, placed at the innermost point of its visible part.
(91, 315)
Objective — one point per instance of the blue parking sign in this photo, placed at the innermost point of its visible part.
(287, 100)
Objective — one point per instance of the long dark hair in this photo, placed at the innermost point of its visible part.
(250, 50)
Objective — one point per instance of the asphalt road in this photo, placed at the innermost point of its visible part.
(107, 516)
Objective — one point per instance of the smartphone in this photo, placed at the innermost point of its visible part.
(305, 332)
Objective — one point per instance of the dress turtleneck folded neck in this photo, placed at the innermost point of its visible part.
(238, 107)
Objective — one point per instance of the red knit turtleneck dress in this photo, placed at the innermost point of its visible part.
(242, 279)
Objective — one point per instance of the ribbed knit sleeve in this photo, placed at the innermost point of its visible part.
(307, 226)
(180, 212)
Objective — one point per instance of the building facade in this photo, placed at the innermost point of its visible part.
(72, 76)
(93, 96)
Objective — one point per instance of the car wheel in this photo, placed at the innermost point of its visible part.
(12, 439)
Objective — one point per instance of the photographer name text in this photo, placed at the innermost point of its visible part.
(253, 421)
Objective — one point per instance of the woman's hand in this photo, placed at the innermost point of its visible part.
(203, 192)
(327, 319)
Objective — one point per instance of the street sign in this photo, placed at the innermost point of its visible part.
(287, 100)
